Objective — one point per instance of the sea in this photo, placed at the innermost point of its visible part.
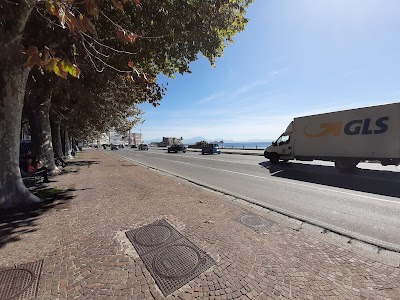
(245, 145)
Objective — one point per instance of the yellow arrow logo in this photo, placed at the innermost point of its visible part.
(334, 129)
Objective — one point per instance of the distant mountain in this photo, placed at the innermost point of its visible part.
(154, 140)
(194, 140)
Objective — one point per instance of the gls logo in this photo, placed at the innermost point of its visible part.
(354, 127)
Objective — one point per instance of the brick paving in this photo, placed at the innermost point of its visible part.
(87, 255)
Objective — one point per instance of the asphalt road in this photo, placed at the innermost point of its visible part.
(365, 205)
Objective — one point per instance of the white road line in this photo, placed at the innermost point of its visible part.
(203, 158)
(296, 164)
(277, 172)
(287, 182)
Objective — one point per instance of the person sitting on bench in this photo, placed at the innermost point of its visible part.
(29, 168)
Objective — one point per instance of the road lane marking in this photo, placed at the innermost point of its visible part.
(277, 172)
(296, 164)
(203, 158)
(284, 181)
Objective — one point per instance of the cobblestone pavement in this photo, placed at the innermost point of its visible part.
(87, 255)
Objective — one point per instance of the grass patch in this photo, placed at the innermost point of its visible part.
(48, 194)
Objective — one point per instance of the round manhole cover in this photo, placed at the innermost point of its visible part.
(176, 261)
(152, 235)
(14, 281)
(252, 221)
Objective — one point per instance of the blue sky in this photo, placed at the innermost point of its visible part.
(294, 58)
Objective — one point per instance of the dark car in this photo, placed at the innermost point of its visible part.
(133, 146)
(211, 149)
(114, 147)
(143, 147)
(176, 148)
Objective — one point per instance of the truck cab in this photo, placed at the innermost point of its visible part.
(282, 148)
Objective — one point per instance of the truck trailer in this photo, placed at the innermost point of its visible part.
(344, 137)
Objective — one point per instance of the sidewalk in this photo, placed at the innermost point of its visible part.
(86, 254)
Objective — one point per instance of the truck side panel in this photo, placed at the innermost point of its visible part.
(371, 132)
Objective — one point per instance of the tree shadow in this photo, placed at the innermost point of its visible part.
(82, 163)
(74, 166)
(22, 220)
(380, 182)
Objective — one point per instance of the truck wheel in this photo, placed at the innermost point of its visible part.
(274, 158)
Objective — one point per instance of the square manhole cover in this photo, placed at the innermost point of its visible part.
(20, 282)
(170, 258)
(254, 221)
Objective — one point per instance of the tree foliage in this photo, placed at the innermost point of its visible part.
(151, 38)
(108, 53)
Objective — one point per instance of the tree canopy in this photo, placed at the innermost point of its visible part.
(96, 60)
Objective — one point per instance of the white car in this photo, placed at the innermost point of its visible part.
(143, 147)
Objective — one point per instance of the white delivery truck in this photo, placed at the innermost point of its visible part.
(344, 137)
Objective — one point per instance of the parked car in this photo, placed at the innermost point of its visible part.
(176, 148)
(114, 147)
(211, 149)
(143, 147)
(133, 146)
(121, 146)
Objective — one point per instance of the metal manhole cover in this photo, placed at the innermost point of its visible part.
(20, 282)
(14, 281)
(177, 261)
(171, 259)
(176, 264)
(254, 221)
(152, 235)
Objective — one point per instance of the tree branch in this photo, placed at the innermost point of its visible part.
(138, 35)
(102, 61)
(93, 47)
(108, 47)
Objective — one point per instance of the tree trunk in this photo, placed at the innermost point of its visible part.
(13, 78)
(56, 136)
(39, 121)
(67, 146)
(12, 190)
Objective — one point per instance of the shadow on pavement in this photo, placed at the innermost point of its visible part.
(74, 166)
(22, 220)
(383, 183)
(82, 163)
